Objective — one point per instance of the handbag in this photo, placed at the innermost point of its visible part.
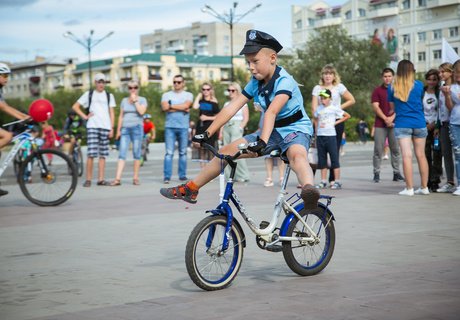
(313, 155)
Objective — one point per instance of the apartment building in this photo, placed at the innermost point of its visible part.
(29, 79)
(419, 25)
(33, 79)
(211, 38)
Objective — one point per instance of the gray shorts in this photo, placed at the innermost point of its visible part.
(410, 133)
(277, 142)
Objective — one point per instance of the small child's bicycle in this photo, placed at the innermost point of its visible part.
(42, 183)
(214, 251)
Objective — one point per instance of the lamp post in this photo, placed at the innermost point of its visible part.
(88, 43)
(231, 19)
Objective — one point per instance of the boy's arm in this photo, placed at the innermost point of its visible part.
(77, 108)
(12, 111)
(227, 113)
(270, 115)
(344, 118)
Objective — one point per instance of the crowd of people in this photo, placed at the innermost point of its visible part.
(411, 118)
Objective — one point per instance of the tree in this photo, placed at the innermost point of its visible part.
(358, 62)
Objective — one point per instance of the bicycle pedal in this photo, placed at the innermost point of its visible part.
(264, 224)
(274, 248)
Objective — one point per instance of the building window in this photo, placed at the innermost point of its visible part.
(406, 38)
(298, 24)
(437, 34)
(422, 3)
(361, 12)
(157, 46)
(311, 22)
(453, 32)
(421, 36)
(348, 15)
(437, 54)
(406, 4)
(421, 56)
(406, 55)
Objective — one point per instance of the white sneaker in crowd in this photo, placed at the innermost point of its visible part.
(447, 188)
(407, 192)
(422, 191)
(457, 192)
(385, 157)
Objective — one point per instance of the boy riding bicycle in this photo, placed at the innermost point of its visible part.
(286, 124)
(5, 136)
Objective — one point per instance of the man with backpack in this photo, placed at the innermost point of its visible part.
(100, 121)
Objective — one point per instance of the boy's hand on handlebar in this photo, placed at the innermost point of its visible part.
(201, 138)
(257, 146)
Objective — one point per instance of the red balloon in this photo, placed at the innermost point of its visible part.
(41, 110)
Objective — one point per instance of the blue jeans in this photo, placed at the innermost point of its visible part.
(171, 136)
(134, 135)
(454, 130)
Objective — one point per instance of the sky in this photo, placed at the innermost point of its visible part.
(35, 27)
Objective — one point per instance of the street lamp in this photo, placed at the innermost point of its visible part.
(230, 18)
(88, 43)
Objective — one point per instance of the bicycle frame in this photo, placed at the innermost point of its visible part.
(267, 232)
(18, 141)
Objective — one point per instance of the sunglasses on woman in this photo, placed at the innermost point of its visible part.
(205, 89)
(231, 90)
(133, 88)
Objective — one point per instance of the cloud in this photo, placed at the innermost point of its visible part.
(13, 51)
(17, 3)
(72, 22)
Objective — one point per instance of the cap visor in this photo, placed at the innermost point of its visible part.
(250, 49)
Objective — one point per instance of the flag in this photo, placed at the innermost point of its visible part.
(448, 53)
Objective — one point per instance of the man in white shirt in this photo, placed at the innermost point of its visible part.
(99, 126)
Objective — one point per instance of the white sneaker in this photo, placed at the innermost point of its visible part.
(407, 192)
(457, 192)
(447, 188)
(385, 157)
(422, 191)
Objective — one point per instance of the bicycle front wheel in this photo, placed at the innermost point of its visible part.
(79, 162)
(311, 257)
(209, 267)
(48, 184)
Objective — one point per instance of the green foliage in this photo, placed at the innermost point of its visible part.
(358, 62)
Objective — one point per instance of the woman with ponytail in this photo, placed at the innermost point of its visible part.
(405, 97)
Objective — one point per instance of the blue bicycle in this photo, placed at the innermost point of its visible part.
(214, 251)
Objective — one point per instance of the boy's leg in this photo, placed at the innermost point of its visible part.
(189, 191)
(297, 155)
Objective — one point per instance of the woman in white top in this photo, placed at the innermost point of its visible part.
(234, 130)
(330, 79)
(445, 73)
(453, 104)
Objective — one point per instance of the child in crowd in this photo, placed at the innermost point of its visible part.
(286, 125)
(50, 139)
(328, 116)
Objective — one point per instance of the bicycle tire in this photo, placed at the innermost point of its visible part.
(208, 268)
(54, 188)
(310, 259)
(79, 162)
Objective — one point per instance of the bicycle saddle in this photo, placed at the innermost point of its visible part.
(276, 153)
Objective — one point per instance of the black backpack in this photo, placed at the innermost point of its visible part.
(90, 98)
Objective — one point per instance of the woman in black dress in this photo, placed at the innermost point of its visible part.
(207, 103)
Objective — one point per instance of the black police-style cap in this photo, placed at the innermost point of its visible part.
(256, 40)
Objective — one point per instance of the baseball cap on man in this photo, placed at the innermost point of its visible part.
(256, 40)
(326, 93)
(99, 77)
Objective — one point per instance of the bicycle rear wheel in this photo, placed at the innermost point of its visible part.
(310, 258)
(47, 185)
(208, 266)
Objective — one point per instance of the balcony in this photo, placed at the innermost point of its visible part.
(383, 12)
(176, 48)
(155, 77)
(441, 3)
(77, 84)
(328, 22)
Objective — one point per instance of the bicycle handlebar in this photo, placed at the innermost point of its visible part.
(228, 158)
